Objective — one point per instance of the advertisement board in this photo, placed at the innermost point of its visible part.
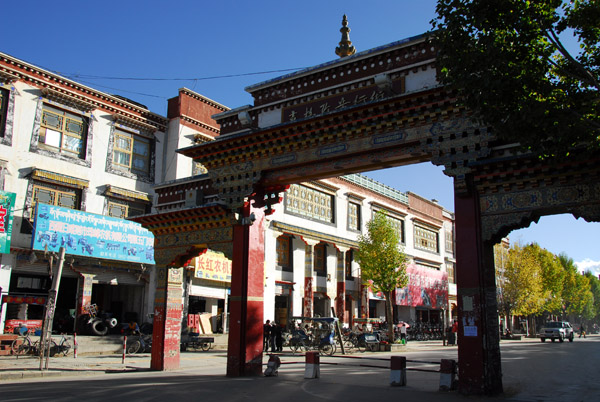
(7, 207)
(213, 266)
(427, 287)
(91, 235)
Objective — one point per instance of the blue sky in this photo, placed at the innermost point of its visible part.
(149, 49)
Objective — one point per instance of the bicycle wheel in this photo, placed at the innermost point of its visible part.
(300, 347)
(134, 347)
(327, 349)
(65, 347)
(348, 346)
(20, 346)
(361, 346)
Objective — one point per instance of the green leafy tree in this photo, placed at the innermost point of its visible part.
(595, 289)
(524, 283)
(577, 293)
(504, 302)
(553, 275)
(509, 65)
(382, 262)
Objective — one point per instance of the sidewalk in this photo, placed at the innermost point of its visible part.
(26, 367)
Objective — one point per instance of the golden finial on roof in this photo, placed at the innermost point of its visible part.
(345, 48)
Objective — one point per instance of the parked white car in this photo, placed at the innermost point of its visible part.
(560, 330)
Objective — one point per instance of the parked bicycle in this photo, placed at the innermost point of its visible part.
(140, 344)
(23, 344)
(63, 347)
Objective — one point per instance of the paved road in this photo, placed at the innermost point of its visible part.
(533, 371)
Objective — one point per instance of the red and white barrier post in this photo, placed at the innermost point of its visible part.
(312, 369)
(75, 345)
(398, 371)
(124, 348)
(447, 375)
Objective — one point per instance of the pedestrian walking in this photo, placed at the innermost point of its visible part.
(272, 341)
(266, 335)
(581, 331)
(279, 338)
(403, 333)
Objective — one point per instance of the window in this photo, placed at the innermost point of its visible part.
(56, 195)
(125, 209)
(426, 239)
(62, 132)
(50, 194)
(4, 94)
(348, 264)
(321, 259)
(310, 203)
(354, 216)
(131, 153)
(451, 272)
(449, 242)
(284, 253)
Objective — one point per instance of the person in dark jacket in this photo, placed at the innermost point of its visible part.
(266, 335)
(278, 338)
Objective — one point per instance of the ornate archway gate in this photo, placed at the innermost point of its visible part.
(377, 109)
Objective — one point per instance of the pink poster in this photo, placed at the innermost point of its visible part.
(427, 287)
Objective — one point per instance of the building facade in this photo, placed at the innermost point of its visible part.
(73, 148)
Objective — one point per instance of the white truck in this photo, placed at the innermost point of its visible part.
(560, 330)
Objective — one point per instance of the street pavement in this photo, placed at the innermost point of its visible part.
(201, 375)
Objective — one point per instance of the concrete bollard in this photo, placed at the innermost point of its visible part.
(398, 371)
(312, 369)
(447, 375)
(75, 345)
(124, 349)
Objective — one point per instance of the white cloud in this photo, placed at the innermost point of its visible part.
(589, 265)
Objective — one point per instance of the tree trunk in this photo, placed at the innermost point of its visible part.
(389, 315)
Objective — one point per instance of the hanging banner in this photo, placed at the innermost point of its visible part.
(213, 266)
(427, 287)
(7, 207)
(91, 235)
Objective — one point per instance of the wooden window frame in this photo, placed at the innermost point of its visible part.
(130, 153)
(320, 259)
(289, 266)
(64, 119)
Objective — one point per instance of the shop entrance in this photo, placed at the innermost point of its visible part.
(282, 309)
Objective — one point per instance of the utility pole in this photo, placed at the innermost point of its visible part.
(45, 339)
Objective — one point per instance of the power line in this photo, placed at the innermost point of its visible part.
(99, 77)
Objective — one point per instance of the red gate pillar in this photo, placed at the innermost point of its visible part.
(245, 345)
(340, 301)
(168, 309)
(309, 286)
(478, 336)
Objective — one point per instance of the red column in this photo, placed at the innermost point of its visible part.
(364, 301)
(307, 308)
(168, 309)
(478, 336)
(245, 347)
(340, 301)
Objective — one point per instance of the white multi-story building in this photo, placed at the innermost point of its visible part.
(70, 146)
